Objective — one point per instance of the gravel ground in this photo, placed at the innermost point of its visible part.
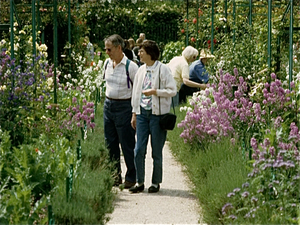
(173, 204)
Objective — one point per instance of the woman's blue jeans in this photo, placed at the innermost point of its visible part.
(148, 124)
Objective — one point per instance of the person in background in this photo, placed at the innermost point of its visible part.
(179, 66)
(142, 36)
(89, 52)
(131, 43)
(153, 89)
(139, 41)
(127, 50)
(131, 46)
(197, 74)
(117, 109)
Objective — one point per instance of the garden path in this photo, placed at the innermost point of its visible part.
(173, 204)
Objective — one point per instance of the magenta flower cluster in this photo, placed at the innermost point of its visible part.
(228, 109)
(223, 111)
(80, 116)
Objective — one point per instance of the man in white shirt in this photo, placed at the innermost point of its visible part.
(117, 110)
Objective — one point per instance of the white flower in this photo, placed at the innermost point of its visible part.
(30, 40)
(69, 76)
(16, 46)
(49, 82)
(43, 47)
(2, 42)
(3, 88)
(22, 32)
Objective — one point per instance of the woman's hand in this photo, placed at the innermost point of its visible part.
(133, 121)
(149, 92)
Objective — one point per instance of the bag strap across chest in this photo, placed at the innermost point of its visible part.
(129, 81)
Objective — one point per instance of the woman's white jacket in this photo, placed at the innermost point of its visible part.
(165, 92)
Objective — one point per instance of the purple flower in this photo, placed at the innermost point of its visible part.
(260, 191)
(230, 194)
(266, 142)
(232, 217)
(41, 98)
(273, 76)
(226, 207)
(236, 190)
(245, 185)
(245, 194)
(272, 151)
(235, 71)
(74, 100)
(253, 143)
(292, 84)
(254, 199)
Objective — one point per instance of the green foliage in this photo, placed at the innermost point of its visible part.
(158, 21)
(90, 201)
(171, 50)
(244, 54)
(92, 194)
(32, 174)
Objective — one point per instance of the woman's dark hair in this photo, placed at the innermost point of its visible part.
(151, 48)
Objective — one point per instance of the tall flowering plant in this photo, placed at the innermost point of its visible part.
(22, 88)
(223, 109)
(271, 193)
(87, 80)
(227, 108)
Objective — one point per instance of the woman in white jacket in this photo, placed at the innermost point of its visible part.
(153, 89)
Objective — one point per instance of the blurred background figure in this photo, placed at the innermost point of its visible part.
(197, 74)
(127, 51)
(89, 53)
(142, 36)
(132, 45)
(138, 43)
(179, 66)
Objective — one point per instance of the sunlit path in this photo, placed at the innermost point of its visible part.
(173, 204)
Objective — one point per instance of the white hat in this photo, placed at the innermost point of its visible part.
(205, 54)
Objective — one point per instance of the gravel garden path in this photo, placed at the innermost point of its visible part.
(173, 204)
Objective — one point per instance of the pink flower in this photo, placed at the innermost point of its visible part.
(273, 76)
